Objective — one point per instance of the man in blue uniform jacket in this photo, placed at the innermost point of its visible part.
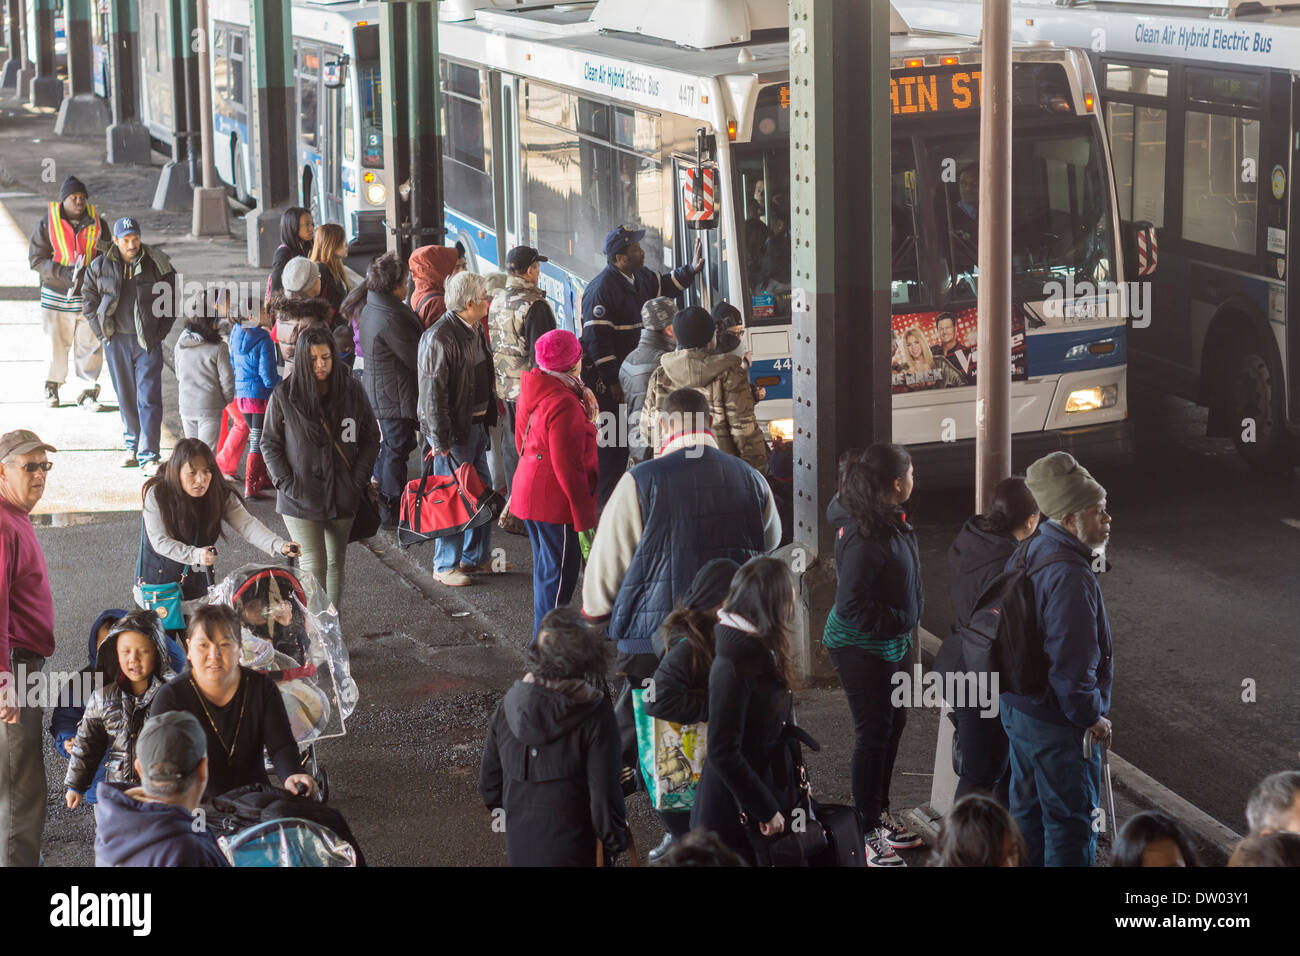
(611, 329)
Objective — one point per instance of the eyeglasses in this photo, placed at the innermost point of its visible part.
(32, 467)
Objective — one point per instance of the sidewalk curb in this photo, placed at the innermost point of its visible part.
(1139, 785)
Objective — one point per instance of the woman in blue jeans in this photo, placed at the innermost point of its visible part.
(868, 635)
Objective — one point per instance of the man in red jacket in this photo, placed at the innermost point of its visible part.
(26, 640)
(554, 491)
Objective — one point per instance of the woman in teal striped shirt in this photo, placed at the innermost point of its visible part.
(878, 601)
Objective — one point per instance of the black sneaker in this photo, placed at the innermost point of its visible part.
(896, 834)
(879, 852)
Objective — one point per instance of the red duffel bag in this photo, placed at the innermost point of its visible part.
(435, 506)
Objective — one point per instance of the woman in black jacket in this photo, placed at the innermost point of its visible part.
(741, 788)
(878, 601)
(551, 761)
(319, 444)
(681, 684)
(390, 340)
(980, 553)
(296, 233)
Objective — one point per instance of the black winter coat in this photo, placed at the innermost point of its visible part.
(103, 284)
(748, 706)
(976, 557)
(552, 761)
(446, 380)
(681, 685)
(309, 474)
(879, 587)
(390, 341)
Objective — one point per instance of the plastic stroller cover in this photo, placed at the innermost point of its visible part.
(290, 631)
(288, 842)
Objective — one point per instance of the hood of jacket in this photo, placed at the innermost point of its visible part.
(189, 339)
(695, 368)
(839, 516)
(976, 549)
(535, 386)
(109, 617)
(244, 337)
(539, 711)
(131, 831)
(431, 265)
(106, 662)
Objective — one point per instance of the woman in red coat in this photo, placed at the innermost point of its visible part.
(554, 491)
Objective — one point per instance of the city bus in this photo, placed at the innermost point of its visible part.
(1202, 109)
(338, 161)
(560, 121)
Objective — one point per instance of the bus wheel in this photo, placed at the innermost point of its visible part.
(1258, 419)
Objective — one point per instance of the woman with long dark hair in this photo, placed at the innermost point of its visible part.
(296, 233)
(390, 339)
(1153, 838)
(977, 556)
(319, 443)
(185, 507)
(878, 601)
(749, 707)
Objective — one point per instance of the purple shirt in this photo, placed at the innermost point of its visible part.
(26, 602)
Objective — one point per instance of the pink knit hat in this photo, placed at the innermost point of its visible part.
(558, 350)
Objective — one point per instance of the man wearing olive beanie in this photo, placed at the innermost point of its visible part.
(1053, 788)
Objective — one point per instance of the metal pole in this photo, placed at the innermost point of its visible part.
(993, 381)
(211, 215)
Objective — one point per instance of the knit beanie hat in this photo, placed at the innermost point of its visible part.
(657, 314)
(1062, 486)
(558, 351)
(299, 275)
(693, 328)
(72, 185)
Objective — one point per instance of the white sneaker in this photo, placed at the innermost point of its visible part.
(879, 852)
(151, 467)
(896, 833)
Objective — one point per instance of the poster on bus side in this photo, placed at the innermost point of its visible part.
(937, 350)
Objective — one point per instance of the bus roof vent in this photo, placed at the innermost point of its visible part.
(702, 24)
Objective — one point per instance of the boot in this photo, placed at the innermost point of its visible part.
(232, 445)
(52, 394)
(257, 481)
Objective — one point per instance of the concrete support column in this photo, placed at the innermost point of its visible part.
(270, 124)
(47, 88)
(13, 58)
(82, 113)
(839, 165)
(127, 140)
(211, 214)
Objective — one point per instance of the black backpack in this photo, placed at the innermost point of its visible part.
(257, 803)
(1004, 635)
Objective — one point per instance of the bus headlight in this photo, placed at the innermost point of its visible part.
(375, 194)
(1091, 399)
(782, 428)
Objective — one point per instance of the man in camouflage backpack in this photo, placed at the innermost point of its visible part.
(519, 316)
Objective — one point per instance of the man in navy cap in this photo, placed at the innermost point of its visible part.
(131, 301)
(65, 240)
(611, 329)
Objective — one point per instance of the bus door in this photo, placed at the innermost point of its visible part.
(333, 79)
(506, 172)
(1283, 264)
(711, 288)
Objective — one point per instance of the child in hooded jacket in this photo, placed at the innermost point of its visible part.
(253, 355)
(134, 663)
(205, 379)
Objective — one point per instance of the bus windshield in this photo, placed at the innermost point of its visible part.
(371, 97)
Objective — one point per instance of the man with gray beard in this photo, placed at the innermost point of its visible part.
(1053, 787)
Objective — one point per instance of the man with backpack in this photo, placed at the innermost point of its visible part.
(1054, 789)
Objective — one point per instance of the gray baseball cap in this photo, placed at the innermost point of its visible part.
(21, 442)
(171, 745)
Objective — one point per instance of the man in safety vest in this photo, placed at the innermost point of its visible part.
(64, 242)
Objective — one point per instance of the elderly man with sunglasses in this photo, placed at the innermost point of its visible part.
(26, 640)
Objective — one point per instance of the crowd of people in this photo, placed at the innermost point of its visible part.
(324, 385)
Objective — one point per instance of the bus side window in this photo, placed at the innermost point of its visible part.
(220, 65)
(349, 133)
(905, 285)
(237, 68)
(1137, 143)
(1219, 203)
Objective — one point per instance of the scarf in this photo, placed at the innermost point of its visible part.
(584, 394)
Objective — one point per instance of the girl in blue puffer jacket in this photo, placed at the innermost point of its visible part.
(253, 355)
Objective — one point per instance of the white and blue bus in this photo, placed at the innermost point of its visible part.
(338, 161)
(1202, 105)
(560, 121)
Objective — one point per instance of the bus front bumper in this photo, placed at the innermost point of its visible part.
(952, 464)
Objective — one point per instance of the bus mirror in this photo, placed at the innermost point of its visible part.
(1141, 250)
(335, 73)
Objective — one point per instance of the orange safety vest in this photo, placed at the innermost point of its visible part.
(68, 243)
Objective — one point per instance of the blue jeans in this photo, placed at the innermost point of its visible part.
(1053, 790)
(472, 547)
(556, 562)
(137, 379)
(396, 444)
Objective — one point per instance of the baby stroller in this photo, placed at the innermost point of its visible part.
(290, 632)
(288, 842)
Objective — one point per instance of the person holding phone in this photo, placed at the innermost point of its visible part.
(185, 507)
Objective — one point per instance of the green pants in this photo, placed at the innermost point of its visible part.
(324, 548)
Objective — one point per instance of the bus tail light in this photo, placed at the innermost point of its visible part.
(1092, 399)
(731, 130)
(1087, 102)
